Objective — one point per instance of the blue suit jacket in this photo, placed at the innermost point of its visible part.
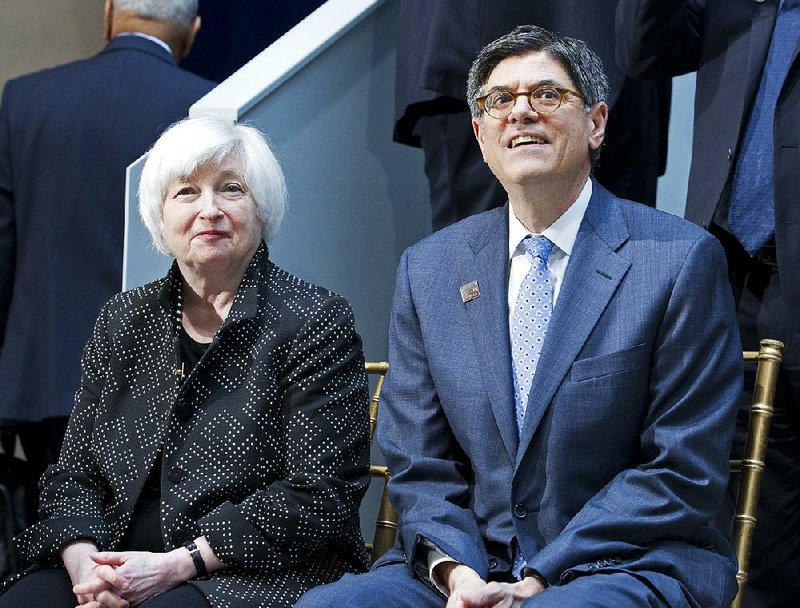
(67, 135)
(622, 460)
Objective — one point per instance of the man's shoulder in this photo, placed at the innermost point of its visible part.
(645, 222)
(472, 231)
(37, 78)
(65, 77)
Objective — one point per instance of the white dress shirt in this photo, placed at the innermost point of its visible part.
(562, 233)
(158, 41)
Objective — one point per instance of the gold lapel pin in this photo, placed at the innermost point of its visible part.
(470, 291)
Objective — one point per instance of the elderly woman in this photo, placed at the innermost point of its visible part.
(217, 453)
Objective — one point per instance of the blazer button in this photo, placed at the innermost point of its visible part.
(179, 537)
(520, 512)
(492, 562)
(730, 154)
(176, 475)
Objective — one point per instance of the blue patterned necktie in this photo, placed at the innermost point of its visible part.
(529, 323)
(751, 212)
(530, 319)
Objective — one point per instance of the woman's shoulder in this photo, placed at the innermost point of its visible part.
(138, 298)
(283, 283)
(285, 290)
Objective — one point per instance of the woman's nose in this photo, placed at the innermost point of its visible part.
(209, 205)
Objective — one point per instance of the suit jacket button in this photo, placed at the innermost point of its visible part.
(492, 562)
(179, 537)
(520, 512)
(730, 154)
(176, 475)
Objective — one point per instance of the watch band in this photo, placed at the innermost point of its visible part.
(197, 558)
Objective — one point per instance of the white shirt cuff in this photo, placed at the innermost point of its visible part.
(436, 557)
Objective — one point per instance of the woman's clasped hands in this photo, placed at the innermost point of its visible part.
(119, 579)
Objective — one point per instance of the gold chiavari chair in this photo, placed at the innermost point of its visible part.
(386, 522)
(751, 466)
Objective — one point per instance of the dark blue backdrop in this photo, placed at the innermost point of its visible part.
(234, 31)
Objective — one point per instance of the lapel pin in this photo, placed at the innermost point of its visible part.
(469, 291)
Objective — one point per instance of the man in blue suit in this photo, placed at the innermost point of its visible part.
(563, 376)
(67, 135)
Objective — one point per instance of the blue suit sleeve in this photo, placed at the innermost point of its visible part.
(8, 239)
(431, 480)
(73, 491)
(678, 486)
(658, 38)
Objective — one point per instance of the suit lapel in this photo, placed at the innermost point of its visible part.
(488, 316)
(763, 22)
(593, 274)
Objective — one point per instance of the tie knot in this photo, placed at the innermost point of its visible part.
(538, 246)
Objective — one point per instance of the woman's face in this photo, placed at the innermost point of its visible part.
(210, 217)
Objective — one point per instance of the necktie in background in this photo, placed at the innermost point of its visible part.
(751, 213)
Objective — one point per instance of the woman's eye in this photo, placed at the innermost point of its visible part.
(233, 187)
(185, 191)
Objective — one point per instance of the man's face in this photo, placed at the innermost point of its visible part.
(527, 146)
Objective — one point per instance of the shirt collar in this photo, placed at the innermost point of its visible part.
(158, 41)
(562, 232)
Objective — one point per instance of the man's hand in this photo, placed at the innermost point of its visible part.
(502, 595)
(460, 579)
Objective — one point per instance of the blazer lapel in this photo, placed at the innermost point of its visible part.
(593, 274)
(488, 315)
(763, 22)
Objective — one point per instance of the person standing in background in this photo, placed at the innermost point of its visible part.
(437, 41)
(743, 187)
(67, 135)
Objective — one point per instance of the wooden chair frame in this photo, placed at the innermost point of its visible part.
(386, 521)
(751, 466)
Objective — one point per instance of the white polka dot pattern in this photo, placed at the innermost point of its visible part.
(265, 446)
(531, 317)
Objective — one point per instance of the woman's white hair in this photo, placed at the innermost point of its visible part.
(197, 142)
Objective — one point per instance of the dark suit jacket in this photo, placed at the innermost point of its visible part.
(265, 444)
(726, 41)
(439, 40)
(623, 457)
(67, 135)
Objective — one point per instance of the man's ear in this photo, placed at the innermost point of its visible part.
(188, 40)
(108, 20)
(599, 117)
(477, 128)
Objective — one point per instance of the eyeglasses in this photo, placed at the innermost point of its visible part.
(544, 100)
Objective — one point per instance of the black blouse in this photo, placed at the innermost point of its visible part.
(145, 532)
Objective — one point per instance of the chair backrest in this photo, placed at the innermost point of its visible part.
(386, 521)
(751, 466)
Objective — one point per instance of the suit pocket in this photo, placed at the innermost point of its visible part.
(611, 363)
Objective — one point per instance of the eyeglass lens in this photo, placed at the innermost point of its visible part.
(544, 100)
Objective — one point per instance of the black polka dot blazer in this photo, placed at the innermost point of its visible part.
(265, 448)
